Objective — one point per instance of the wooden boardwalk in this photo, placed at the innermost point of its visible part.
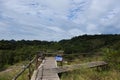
(45, 71)
(80, 66)
(48, 69)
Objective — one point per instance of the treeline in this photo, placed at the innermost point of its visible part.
(90, 43)
(12, 51)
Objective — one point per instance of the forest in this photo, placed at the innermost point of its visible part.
(14, 51)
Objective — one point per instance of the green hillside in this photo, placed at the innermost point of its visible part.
(12, 51)
(90, 43)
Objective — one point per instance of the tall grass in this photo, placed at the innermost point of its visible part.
(11, 71)
(91, 74)
(8, 75)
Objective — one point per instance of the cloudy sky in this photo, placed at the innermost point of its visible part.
(57, 19)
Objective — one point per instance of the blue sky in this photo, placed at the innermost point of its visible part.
(57, 19)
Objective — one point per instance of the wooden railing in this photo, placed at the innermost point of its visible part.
(34, 61)
(28, 66)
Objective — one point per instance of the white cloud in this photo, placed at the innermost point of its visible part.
(91, 27)
(57, 19)
(2, 24)
(76, 32)
(56, 29)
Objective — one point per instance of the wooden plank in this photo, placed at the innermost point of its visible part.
(46, 72)
(35, 73)
(78, 66)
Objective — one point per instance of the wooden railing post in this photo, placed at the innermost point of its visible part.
(36, 63)
(29, 72)
(39, 55)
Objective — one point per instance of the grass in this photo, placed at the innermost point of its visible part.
(80, 59)
(11, 71)
(90, 74)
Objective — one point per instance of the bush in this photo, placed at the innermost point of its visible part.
(112, 57)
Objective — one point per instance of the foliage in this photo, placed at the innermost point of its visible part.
(112, 57)
(90, 74)
(12, 51)
(90, 43)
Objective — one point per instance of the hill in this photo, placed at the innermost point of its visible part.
(90, 43)
(12, 51)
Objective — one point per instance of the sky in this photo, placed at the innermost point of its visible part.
(53, 20)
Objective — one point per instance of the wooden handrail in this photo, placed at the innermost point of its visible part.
(27, 66)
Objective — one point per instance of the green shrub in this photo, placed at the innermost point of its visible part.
(112, 57)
